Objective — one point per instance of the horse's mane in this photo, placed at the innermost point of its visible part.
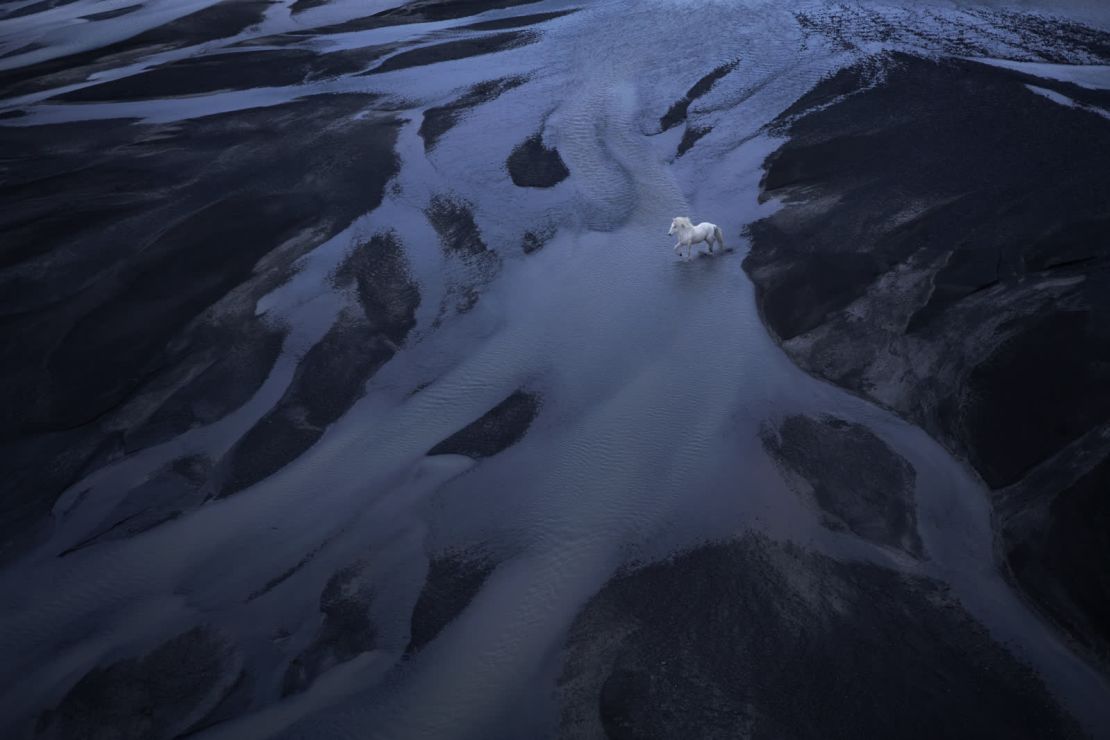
(684, 220)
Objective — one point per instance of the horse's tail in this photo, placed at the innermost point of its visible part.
(719, 236)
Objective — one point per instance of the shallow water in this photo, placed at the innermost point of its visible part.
(656, 377)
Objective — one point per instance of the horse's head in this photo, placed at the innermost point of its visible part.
(677, 223)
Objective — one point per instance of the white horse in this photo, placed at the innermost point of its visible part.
(689, 235)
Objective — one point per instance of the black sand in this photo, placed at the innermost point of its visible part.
(962, 218)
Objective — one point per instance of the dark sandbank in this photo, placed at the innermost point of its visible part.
(962, 218)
